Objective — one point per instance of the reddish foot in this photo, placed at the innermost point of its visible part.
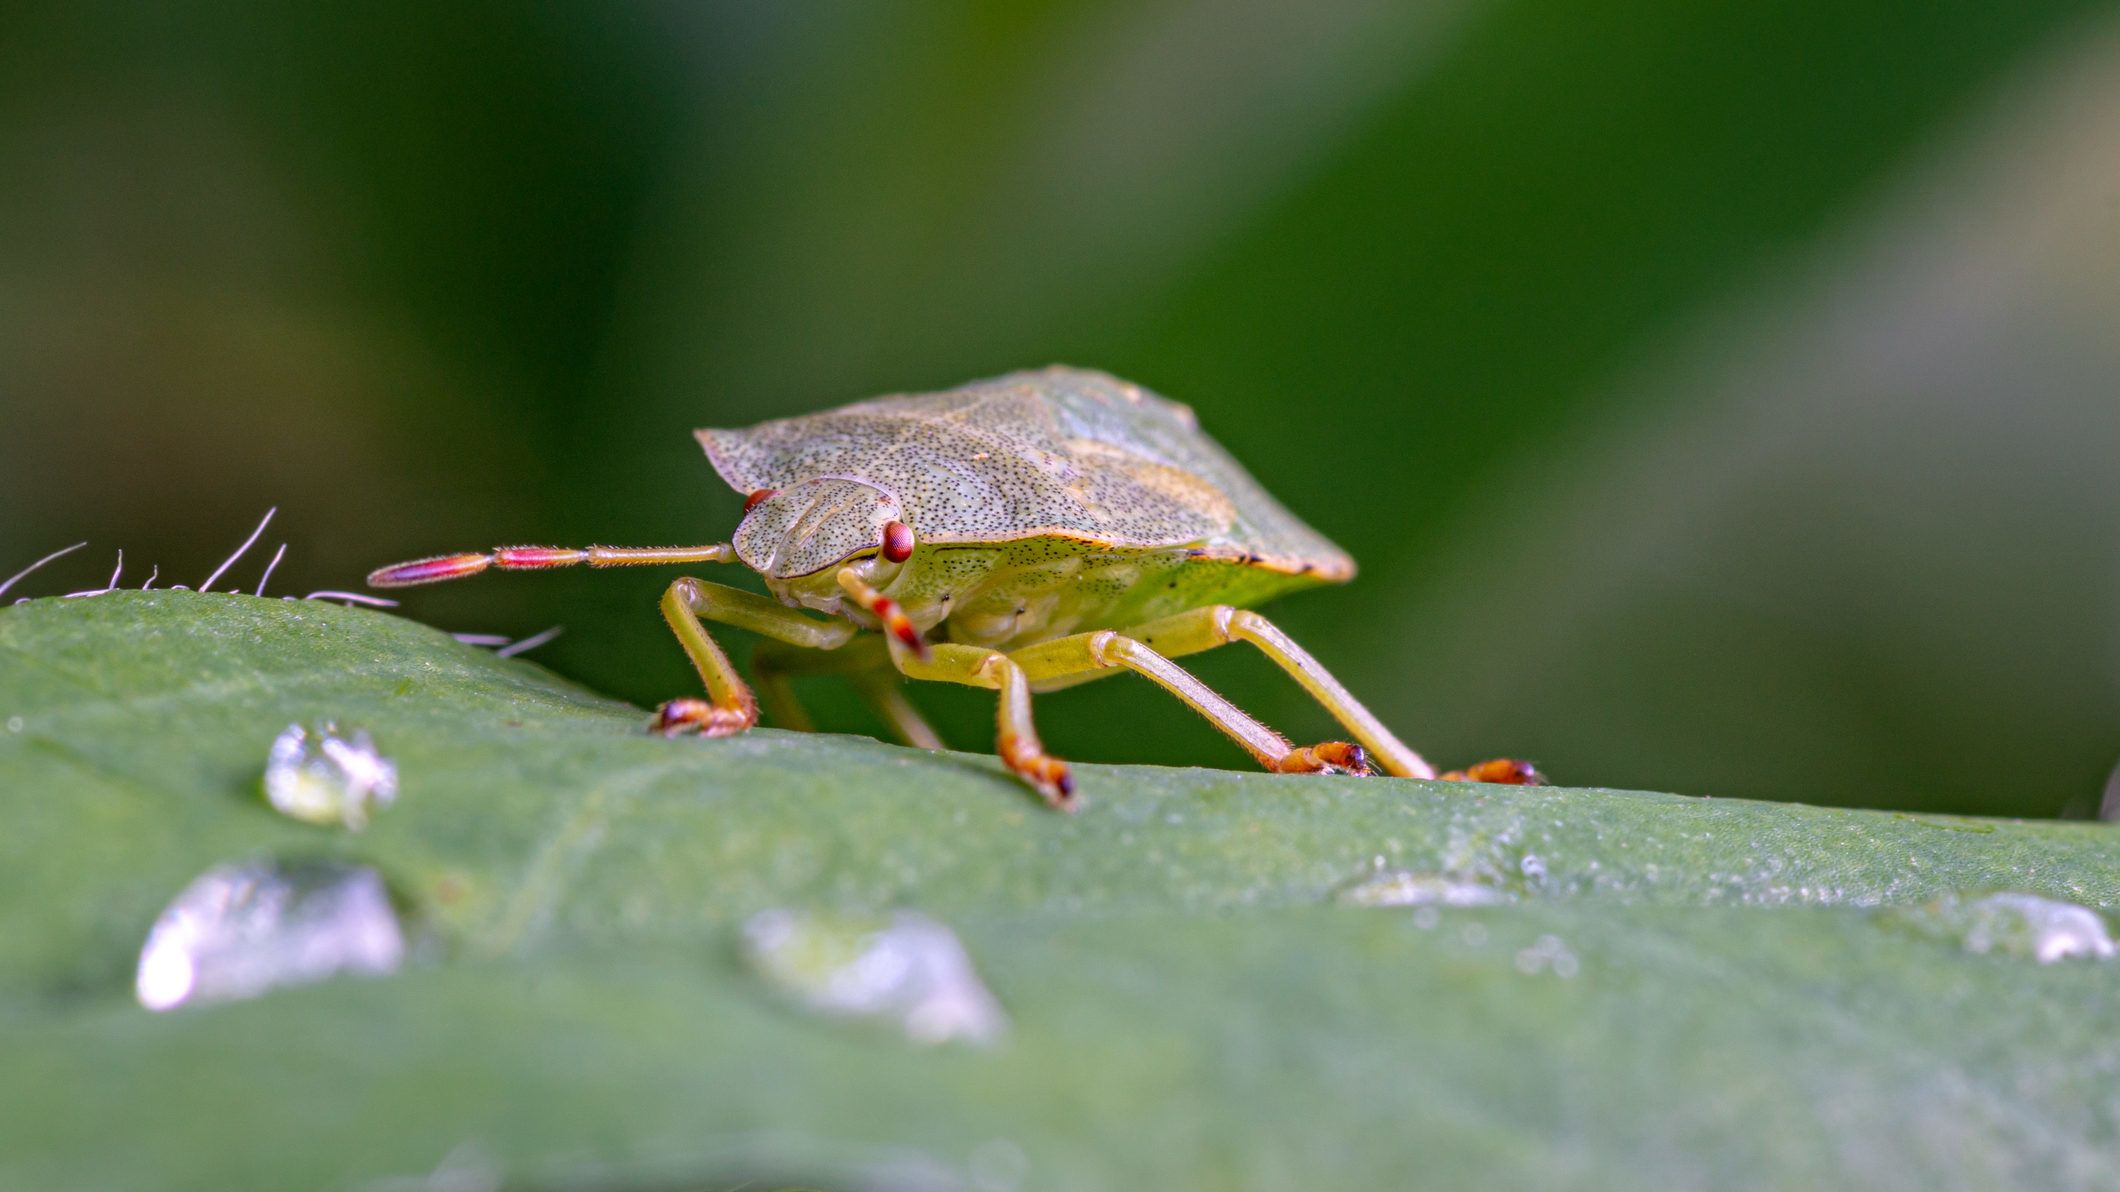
(681, 716)
(1046, 774)
(1504, 770)
(1331, 757)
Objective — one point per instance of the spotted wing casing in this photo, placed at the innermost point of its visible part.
(1060, 452)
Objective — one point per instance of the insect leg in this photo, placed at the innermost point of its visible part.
(776, 696)
(1206, 628)
(543, 558)
(1016, 738)
(864, 661)
(1085, 654)
(886, 697)
(729, 706)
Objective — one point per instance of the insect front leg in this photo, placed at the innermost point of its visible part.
(1015, 737)
(730, 706)
(864, 662)
(1067, 659)
(1207, 628)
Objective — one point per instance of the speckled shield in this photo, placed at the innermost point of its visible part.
(1058, 452)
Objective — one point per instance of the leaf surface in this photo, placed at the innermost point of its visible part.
(1191, 1005)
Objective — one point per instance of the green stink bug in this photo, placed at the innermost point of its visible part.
(1023, 533)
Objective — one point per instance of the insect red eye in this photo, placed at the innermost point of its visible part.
(757, 496)
(897, 541)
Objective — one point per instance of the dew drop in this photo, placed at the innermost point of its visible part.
(324, 776)
(239, 930)
(907, 969)
(2020, 925)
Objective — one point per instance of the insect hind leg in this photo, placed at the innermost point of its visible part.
(1217, 625)
(1102, 651)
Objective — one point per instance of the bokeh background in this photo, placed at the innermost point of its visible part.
(1721, 398)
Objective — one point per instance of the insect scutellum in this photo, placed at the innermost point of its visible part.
(1022, 534)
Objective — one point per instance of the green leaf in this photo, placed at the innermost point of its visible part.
(1191, 1004)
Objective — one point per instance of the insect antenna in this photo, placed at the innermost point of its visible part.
(542, 558)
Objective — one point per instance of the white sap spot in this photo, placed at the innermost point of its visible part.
(2015, 924)
(908, 969)
(1399, 887)
(322, 776)
(240, 930)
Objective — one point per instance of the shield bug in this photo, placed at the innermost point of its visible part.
(1024, 533)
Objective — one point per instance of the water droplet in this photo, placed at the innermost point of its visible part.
(1427, 918)
(1549, 953)
(241, 929)
(2015, 924)
(1533, 869)
(908, 969)
(1474, 934)
(1399, 887)
(999, 1165)
(322, 776)
(14, 724)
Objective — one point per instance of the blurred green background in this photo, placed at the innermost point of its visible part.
(1720, 398)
